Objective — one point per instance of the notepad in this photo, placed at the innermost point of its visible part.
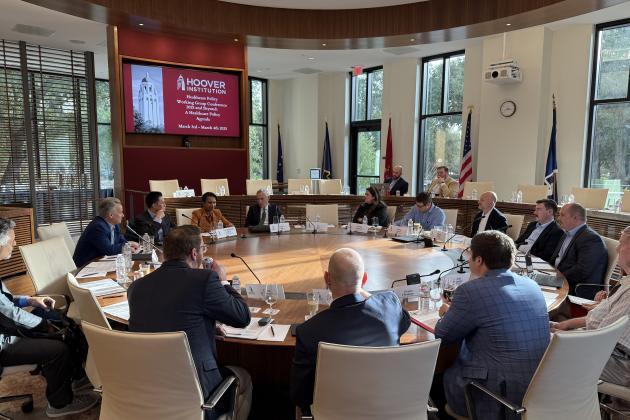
(103, 287)
(118, 310)
(580, 301)
(427, 320)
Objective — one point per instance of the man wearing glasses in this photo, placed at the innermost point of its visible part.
(424, 212)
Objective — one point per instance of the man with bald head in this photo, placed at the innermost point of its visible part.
(581, 255)
(355, 317)
(489, 218)
(397, 185)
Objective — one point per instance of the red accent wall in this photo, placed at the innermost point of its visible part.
(187, 165)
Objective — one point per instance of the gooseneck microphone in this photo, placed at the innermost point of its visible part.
(418, 276)
(233, 255)
(144, 240)
(309, 221)
(460, 266)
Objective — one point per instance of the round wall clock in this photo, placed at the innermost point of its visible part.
(507, 108)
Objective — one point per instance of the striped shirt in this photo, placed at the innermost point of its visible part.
(610, 310)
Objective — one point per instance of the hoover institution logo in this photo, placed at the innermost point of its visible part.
(191, 84)
(181, 85)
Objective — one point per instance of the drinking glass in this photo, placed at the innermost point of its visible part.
(375, 224)
(436, 294)
(417, 229)
(424, 298)
(312, 300)
(271, 296)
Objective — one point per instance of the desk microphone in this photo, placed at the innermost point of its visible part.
(144, 240)
(461, 255)
(416, 277)
(186, 216)
(309, 221)
(460, 266)
(233, 255)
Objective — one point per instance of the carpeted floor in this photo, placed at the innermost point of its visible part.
(23, 383)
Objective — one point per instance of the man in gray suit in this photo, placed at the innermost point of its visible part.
(501, 321)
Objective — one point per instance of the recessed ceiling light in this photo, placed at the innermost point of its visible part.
(310, 58)
(323, 44)
(235, 39)
(77, 41)
(258, 71)
(508, 24)
(140, 24)
(412, 39)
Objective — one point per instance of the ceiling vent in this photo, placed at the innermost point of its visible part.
(32, 30)
(401, 50)
(307, 70)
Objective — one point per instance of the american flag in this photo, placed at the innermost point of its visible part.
(466, 171)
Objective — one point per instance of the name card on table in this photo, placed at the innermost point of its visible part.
(257, 291)
(407, 292)
(453, 280)
(225, 233)
(184, 193)
(282, 227)
(359, 228)
(318, 226)
(394, 230)
(324, 296)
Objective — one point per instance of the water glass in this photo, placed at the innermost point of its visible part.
(271, 296)
(121, 269)
(312, 300)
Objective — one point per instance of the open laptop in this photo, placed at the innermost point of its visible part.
(549, 280)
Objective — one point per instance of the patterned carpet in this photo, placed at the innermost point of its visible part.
(23, 383)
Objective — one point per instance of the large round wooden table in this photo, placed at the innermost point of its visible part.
(297, 260)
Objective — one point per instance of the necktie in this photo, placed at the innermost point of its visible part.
(263, 217)
(111, 237)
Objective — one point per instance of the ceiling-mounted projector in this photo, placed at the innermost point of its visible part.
(503, 72)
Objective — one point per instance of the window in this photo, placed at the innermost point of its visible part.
(365, 130)
(258, 168)
(441, 115)
(105, 154)
(608, 144)
(47, 146)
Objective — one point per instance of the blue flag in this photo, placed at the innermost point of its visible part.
(551, 171)
(327, 158)
(280, 166)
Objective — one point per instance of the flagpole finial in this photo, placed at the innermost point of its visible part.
(471, 107)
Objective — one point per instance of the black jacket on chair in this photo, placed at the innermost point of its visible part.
(496, 221)
(584, 261)
(546, 243)
(176, 297)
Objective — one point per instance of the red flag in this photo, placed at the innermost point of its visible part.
(388, 153)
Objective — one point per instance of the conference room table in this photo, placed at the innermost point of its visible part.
(297, 260)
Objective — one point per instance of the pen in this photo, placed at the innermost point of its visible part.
(273, 333)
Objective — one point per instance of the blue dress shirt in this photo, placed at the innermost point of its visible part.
(433, 217)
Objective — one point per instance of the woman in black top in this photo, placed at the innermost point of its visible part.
(372, 207)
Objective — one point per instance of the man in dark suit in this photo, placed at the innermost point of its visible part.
(102, 236)
(501, 321)
(489, 218)
(581, 255)
(262, 213)
(396, 183)
(542, 236)
(355, 318)
(154, 221)
(183, 296)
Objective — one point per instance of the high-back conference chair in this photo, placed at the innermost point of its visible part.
(57, 229)
(611, 248)
(138, 384)
(590, 198)
(481, 187)
(451, 217)
(330, 186)
(516, 223)
(180, 216)
(564, 387)
(253, 185)
(532, 193)
(294, 186)
(328, 213)
(625, 202)
(214, 186)
(365, 383)
(166, 186)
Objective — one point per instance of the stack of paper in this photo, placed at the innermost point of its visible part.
(103, 287)
(427, 320)
(256, 332)
(580, 301)
(118, 310)
(550, 297)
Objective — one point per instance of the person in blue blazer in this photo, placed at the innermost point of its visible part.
(102, 236)
(354, 318)
(500, 320)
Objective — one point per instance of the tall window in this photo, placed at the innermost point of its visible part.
(441, 115)
(258, 129)
(365, 129)
(105, 157)
(609, 123)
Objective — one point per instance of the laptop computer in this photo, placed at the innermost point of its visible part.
(549, 280)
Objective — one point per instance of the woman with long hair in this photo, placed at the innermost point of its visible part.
(372, 207)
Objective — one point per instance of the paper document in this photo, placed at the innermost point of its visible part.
(427, 320)
(251, 332)
(107, 265)
(550, 297)
(103, 287)
(118, 310)
(537, 263)
(580, 301)
(279, 332)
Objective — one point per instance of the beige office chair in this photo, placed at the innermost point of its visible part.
(330, 186)
(564, 387)
(625, 202)
(532, 193)
(90, 311)
(481, 187)
(57, 229)
(214, 186)
(27, 405)
(516, 221)
(180, 216)
(254, 185)
(391, 213)
(294, 186)
(590, 198)
(373, 382)
(138, 384)
(167, 186)
(451, 217)
(328, 213)
(48, 263)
